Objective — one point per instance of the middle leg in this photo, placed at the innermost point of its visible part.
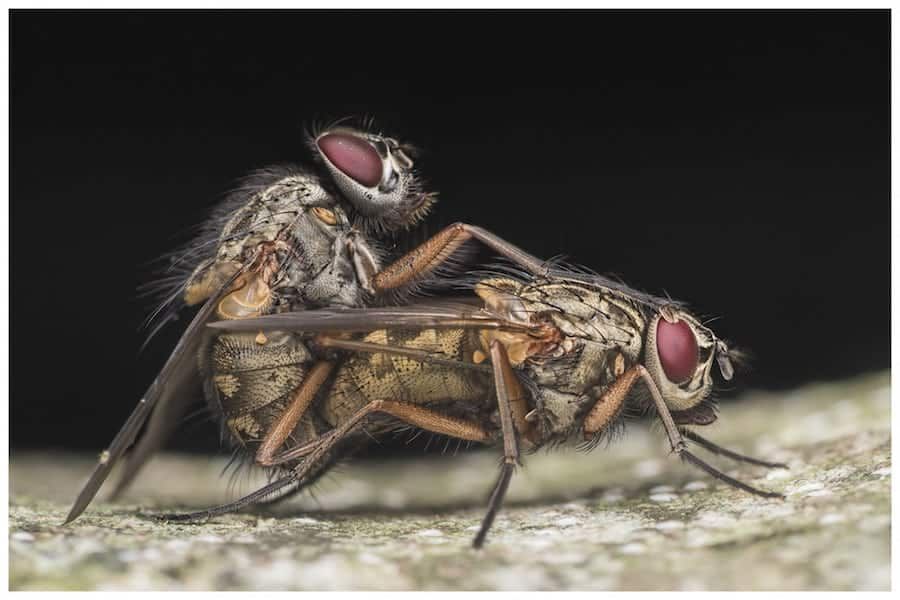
(509, 394)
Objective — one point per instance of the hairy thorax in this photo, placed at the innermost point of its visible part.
(290, 246)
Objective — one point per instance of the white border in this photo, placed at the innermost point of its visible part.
(4, 218)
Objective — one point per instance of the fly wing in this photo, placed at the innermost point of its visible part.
(164, 398)
(433, 314)
(162, 423)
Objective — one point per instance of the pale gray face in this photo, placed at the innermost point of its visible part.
(376, 175)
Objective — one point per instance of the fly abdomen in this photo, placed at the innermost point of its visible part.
(363, 378)
(253, 376)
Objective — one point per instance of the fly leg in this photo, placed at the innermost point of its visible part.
(263, 496)
(411, 414)
(277, 434)
(282, 428)
(617, 393)
(680, 447)
(268, 503)
(318, 449)
(260, 494)
(509, 394)
(609, 404)
(716, 449)
(423, 259)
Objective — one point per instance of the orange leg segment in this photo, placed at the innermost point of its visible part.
(285, 424)
(423, 259)
(609, 403)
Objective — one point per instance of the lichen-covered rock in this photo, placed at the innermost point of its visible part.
(625, 517)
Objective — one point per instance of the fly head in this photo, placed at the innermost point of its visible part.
(679, 355)
(377, 176)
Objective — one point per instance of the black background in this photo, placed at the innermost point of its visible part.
(736, 160)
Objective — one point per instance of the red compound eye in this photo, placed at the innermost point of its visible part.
(677, 349)
(355, 157)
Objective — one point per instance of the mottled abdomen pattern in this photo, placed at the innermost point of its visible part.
(254, 377)
(367, 377)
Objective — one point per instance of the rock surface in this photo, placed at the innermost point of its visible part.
(624, 517)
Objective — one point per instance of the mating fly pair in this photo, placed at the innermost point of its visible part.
(303, 361)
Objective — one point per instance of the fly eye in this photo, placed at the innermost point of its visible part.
(326, 216)
(677, 350)
(353, 156)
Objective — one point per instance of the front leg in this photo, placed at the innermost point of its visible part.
(613, 398)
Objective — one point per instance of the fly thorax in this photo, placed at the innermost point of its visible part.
(584, 337)
(331, 263)
(317, 257)
(274, 211)
(560, 393)
(502, 297)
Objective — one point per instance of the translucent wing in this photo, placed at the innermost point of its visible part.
(164, 398)
(426, 314)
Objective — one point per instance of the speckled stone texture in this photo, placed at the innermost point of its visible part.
(621, 518)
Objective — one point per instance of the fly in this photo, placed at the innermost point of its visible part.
(289, 238)
(527, 361)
